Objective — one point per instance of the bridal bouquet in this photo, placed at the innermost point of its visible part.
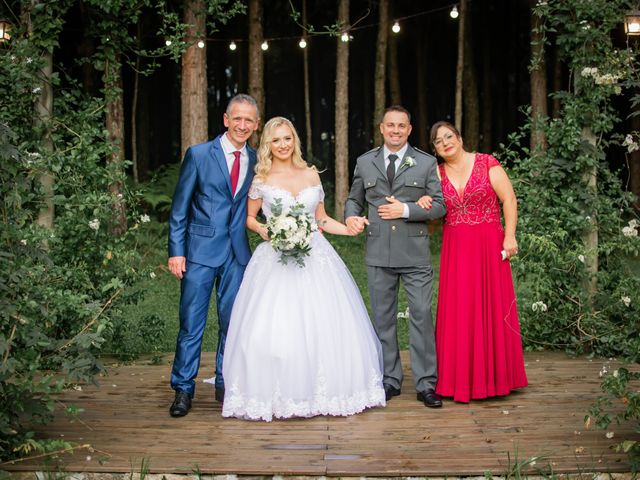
(290, 230)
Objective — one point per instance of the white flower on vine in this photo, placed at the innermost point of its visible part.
(630, 143)
(94, 224)
(589, 71)
(603, 371)
(152, 275)
(626, 300)
(36, 90)
(581, 258)
(145, 218)
(616, 374)
(29, 60)
(539, 306)
(633, 223)
(609, 434)
(23, 242)
(629, 231)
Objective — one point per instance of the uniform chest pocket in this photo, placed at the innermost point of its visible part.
(370, 182)
(416, 182)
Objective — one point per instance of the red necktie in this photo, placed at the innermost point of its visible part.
(235, 172)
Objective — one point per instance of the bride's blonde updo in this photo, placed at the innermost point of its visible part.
(264, 149)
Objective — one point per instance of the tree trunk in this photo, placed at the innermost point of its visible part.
(486, 142)
(538, 82)
(557, 83)
(394, 72)
(115, 128)
(342, 115)
(460, 65)
(470, 99)
(379, 97)
(634, 166)
(86, 49)
(590, 236)
(307, 95)
(256, 60)
(43, 109)
(194, 119)
(134, 107)
(421, 65)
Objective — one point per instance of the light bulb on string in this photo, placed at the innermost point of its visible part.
(232, 46)
(344, 37)
(264, 46)
(302, 43)
(396, 27)
(454, 12)
(200, 44)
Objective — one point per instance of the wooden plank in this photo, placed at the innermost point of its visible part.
(126, 420)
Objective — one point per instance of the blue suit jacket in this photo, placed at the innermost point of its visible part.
(207, 223)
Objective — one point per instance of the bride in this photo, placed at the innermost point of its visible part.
(300, 342)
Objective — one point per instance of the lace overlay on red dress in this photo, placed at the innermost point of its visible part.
(478, 202)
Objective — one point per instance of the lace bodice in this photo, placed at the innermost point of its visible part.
(478, 202)
(310, 197)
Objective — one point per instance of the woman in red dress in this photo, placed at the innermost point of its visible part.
(478, 342)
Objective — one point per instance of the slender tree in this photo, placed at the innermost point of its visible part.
(256, 60)
(342, 113)
(471, 102)
(194, 121)
(460, 64)
(379, 97)
(307, 96)
(538, 81)
(394, 71)
(421, 65)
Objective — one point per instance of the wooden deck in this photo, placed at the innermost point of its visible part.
(127, 420)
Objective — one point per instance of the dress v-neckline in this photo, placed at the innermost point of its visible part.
(460, 193)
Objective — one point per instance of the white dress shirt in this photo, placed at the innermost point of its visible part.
(228, 149)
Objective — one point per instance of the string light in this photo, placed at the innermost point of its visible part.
(264, 46)
(232, 46)
(344, 37)
(302, 43)
(200, 44)
(396, 27)
(454, 12)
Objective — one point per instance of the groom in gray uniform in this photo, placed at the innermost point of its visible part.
(389, 180)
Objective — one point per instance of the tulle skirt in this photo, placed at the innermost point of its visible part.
(300, 342)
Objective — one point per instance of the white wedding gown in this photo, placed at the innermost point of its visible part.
(300, 342)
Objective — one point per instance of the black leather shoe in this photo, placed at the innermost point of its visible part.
(219, 394)
(430, 399)
(390, 391)
(181, 405)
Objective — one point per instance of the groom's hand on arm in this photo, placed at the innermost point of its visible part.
(392, 210)
(177, 266)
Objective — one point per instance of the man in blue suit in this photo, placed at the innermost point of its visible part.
(208, 242)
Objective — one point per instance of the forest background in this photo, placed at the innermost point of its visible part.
(99, 100)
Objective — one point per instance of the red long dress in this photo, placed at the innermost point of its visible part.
(478, 342)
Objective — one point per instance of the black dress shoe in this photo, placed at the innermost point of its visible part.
(181, 405)
(219, 394)
(390, 391)
(430, 399)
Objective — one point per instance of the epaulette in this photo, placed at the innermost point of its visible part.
(422, 151)
(375, 149)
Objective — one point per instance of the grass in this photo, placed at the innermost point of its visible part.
(155, 316)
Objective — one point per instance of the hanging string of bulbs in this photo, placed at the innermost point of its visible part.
(345, 36)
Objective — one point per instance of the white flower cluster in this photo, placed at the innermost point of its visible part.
(630, 143)
(631, 230)
(581, 258)
(602, 78)
(539, 306)
(145, 218)
(94, 224)
(626, 300)
(290, 232)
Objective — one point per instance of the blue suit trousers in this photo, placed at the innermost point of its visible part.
(195, 295)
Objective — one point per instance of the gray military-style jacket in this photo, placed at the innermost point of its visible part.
(402, 242)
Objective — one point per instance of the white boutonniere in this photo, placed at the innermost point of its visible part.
(408, 162)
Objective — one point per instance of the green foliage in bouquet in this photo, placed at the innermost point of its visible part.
(290, 232)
